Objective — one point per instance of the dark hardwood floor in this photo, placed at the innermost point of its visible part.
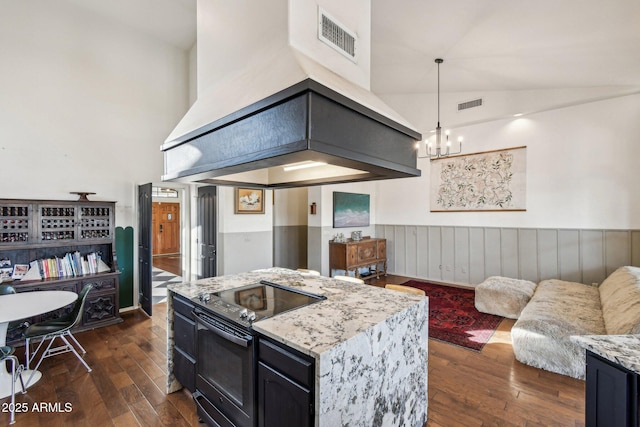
(126, 386)
(171, 263)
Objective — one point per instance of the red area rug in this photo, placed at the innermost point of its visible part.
(453, 317)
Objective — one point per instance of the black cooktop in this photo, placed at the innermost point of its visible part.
(256, 301)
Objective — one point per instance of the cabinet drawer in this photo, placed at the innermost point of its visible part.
(184, 368)
(367, 251)
(299, 368)
(99, 308)
(101, 284)
(182, 305)
(184, 333)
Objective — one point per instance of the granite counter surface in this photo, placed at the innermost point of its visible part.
(348, 310)
(370, 345)
(621, 349)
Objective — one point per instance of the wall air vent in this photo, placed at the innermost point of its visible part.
(334, 34)
(470, 104)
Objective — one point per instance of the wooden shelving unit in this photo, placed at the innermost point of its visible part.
(32, 230)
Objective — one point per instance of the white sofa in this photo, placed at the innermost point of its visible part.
(559, 309)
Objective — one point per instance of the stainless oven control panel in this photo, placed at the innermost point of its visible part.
(226, 310)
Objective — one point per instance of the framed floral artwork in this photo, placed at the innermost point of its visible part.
(249, 201)
(488, 181)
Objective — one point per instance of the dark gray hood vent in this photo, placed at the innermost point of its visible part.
(304, 135)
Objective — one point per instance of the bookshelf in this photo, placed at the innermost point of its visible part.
(42, 234)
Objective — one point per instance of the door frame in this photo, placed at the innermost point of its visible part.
(184, 193)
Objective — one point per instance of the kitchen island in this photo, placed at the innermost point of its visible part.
(369, 345)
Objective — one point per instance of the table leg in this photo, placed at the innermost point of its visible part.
(5, 376)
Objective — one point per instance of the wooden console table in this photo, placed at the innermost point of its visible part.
(353, 255)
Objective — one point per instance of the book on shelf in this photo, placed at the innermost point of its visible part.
(70, 265)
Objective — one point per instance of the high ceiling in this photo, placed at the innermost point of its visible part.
(488, 45)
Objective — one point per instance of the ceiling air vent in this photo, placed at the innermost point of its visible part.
(333, 33)
(470, 104)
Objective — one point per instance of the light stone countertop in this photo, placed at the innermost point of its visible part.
(370, 345)
(348, 310)
(621, 349)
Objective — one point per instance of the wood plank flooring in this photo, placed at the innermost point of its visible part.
(126, 386)
(170, 263)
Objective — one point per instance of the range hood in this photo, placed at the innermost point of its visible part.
(284, 120)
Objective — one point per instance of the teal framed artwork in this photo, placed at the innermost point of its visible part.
(350, 210)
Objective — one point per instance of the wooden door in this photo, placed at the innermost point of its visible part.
(166, 228)
(145, 244)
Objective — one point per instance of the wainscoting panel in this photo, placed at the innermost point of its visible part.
(290, 246)
(635, 247)
(617, 250)
(435, 253)
(492, 252)
(422, 251)
(476, 255)
(411, 247)
(547, 254)
(461, 257)
(509, 251)
(448, 253)
(467, 255)
(528, 254)
(569, 255)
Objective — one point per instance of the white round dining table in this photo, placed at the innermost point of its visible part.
(21, 306)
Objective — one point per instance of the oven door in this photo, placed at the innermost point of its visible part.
(225, 366)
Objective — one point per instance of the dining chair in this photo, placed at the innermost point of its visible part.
(406, 289)
(49, 330)
(6, 354)
(307, 271)
(349, 279)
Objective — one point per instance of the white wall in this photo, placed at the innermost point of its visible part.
(245, 241)
(85, 104)
(581, 170)
(290, 207)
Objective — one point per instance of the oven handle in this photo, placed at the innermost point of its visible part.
(242, 341)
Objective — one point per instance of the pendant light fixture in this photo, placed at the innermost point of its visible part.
(440, 148)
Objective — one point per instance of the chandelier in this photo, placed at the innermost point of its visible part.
(440, 148)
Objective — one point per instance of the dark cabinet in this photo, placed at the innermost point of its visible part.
(45, 231)
(184, 335)
(611, 394)
(285, 386)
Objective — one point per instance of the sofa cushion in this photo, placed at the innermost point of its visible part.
(620, 299)
(557, 310)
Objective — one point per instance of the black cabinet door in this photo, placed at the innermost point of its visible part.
(611, 394)
(282, 402)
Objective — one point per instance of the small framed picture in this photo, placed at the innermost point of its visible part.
(249, 201)
(5, 274)
(252, 298)
(19, 270)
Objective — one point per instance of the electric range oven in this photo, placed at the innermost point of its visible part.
(226, 348)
